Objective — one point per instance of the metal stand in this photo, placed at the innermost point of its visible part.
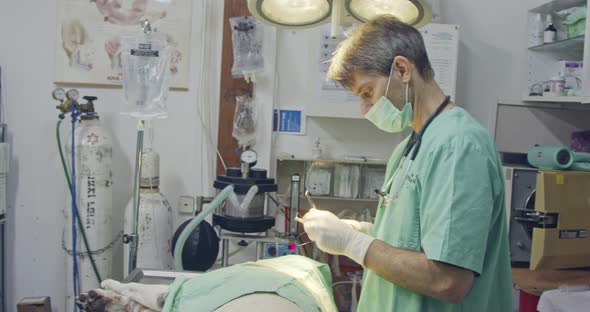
(201, 200)
(259, 250)
(133, 239)
(294, 212)
(3, 237)
(2, 258)
(224, 253)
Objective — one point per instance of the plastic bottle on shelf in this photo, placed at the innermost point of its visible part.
(550, 32)
(536, 31)
(557, 85)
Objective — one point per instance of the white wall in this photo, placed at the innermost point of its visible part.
(37, 192)
(491, 52)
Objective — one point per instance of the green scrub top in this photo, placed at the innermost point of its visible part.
(451, 208)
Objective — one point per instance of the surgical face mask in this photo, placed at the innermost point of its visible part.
(385, 116)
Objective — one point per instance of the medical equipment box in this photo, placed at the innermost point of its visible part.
(272, 250)
(549, 218)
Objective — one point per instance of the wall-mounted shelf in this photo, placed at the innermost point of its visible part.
(557, 5)
(569, 45)
(554, 99)
(578, 106)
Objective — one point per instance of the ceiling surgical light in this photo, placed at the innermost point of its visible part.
(413, 12)
(291, 13)
(309, 13)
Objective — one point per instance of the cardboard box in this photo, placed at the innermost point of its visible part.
(35, 304)
(565, 194)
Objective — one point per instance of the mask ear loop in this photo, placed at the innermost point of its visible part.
(407, 92)
(388, 81)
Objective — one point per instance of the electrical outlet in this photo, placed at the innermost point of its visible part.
(186, 204)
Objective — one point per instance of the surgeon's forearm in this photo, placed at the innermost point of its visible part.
(413, 271)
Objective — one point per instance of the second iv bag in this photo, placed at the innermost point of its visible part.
(146, 76)
(245, 121)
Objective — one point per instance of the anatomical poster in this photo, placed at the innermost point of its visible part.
(89, 34)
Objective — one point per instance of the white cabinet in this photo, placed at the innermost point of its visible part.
(543, 60)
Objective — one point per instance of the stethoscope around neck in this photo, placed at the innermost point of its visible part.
(412, 148)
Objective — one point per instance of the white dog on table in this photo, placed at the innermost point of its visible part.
(286, 284)
(135, 297)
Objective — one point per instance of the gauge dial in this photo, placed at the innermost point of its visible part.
(249, 157)
(73, 94)
(59, 94)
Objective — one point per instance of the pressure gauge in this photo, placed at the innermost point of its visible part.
(73, 94)
(249, 157)
(59, 94)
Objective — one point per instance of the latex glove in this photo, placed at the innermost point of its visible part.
(361, 226)
(335, 236)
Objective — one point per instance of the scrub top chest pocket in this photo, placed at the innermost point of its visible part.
(399, 215)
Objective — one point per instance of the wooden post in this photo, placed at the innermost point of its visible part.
(230, 88)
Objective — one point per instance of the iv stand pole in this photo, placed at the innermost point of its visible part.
(134, 239)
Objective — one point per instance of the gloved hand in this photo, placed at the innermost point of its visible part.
(361, 226)
(335, 236)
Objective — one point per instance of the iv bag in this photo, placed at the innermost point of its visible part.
(245, 121)
(145, 59)
(247, 42)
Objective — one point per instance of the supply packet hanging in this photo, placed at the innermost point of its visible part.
(145, 60)
(244, 129)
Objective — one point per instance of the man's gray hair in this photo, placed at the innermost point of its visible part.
(372, 47)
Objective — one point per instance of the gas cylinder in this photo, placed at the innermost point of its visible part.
(155, 218)
(94, 180)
